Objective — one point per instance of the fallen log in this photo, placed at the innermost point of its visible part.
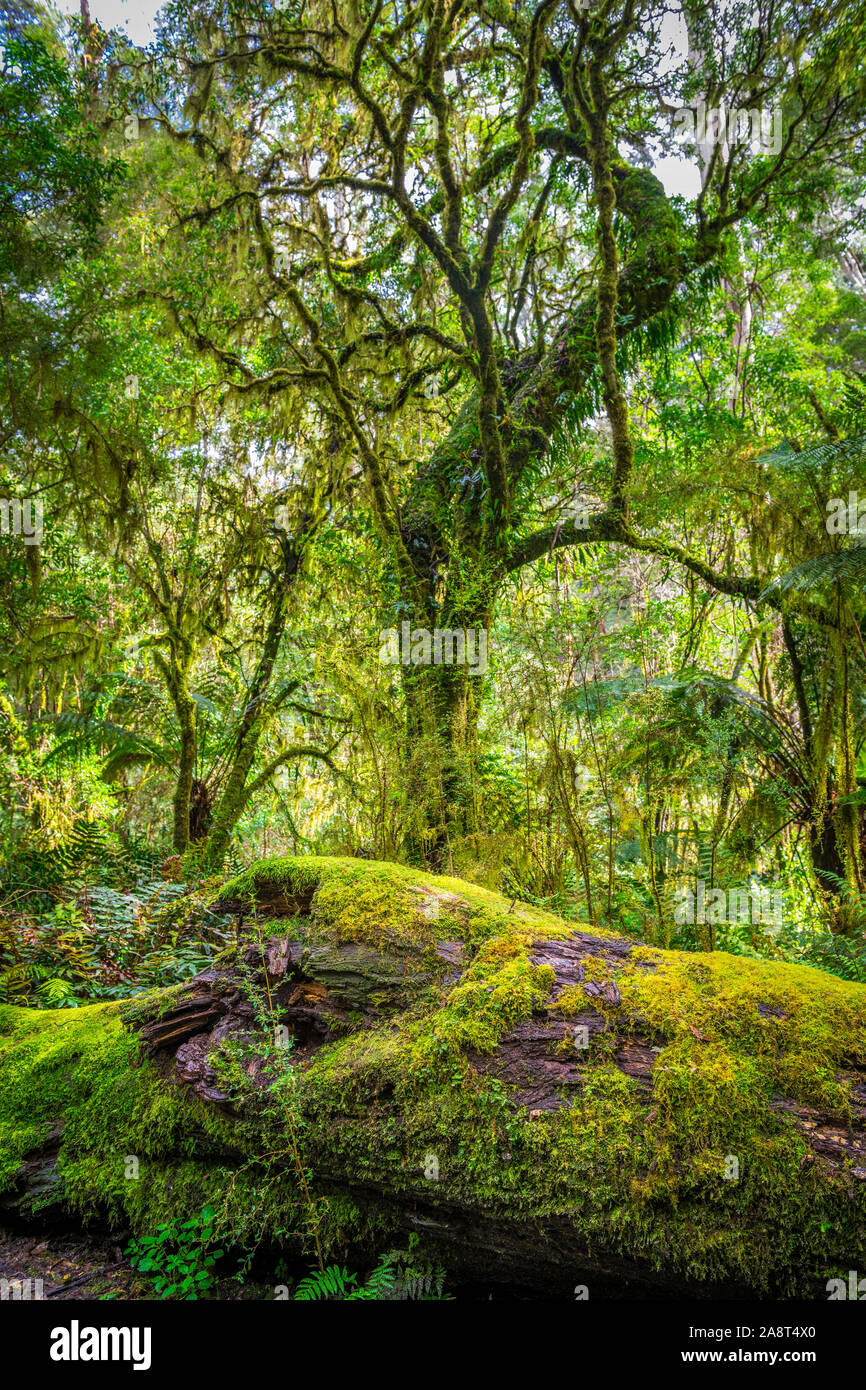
(546, 1105)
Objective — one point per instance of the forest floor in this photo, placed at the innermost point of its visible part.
(76, 1267)
(70, 1266)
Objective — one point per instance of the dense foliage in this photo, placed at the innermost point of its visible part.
(328, 330)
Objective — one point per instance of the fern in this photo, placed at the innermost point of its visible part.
(847, 568)
(380, 1283)
(838, 955)
(809, 461)
(85, 734)
(396, 1276)
(331, 1282)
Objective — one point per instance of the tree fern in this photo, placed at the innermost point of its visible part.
(828, 453)
(847, 568)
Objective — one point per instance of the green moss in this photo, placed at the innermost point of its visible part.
(795, 1025)
(386, 904)
(78, 1072)
(500, 988)
(51, 1063)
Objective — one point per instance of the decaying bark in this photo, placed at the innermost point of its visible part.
(320, 991)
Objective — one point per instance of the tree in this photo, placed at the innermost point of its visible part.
(439, 195)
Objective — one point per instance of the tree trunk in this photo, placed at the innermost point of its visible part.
(826, 857)
(259, 710)
(546, 1107)
(185, 709)
(443, 704)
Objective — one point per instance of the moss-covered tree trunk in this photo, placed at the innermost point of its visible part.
(175, 669)
(545, 1106)
(443, 705)
(456, 545)
(259, 710)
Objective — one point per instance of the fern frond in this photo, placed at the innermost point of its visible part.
(847, 568)
(332, 1282)
(829, 453)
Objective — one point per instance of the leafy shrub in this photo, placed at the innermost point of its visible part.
(179, 1258)
(107, 943)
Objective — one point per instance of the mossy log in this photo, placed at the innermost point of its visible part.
(546, 1105)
